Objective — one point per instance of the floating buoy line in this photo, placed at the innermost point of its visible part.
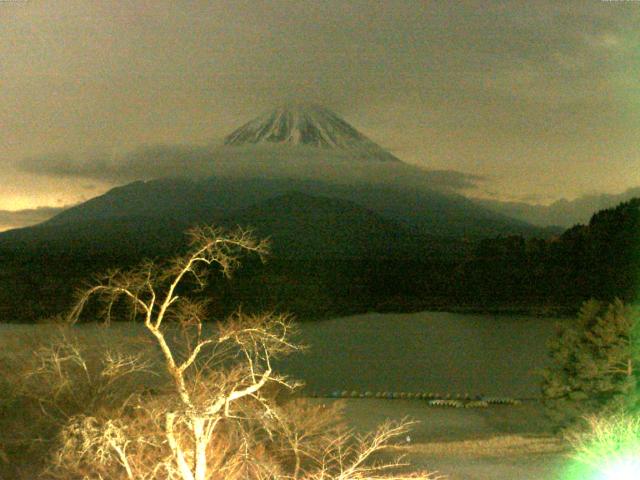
(431, 399)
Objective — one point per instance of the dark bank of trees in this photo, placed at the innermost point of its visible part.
(600, 260)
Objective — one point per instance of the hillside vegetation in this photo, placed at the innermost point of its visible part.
(333, 257)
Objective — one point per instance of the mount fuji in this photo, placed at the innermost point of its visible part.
(342, 214)
(296, 147)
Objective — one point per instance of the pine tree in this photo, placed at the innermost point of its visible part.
(594, 364)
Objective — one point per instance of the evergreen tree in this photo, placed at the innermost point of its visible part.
(594, 364)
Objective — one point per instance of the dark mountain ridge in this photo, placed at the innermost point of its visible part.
(427, 211)
(315, 241)
(332, 257)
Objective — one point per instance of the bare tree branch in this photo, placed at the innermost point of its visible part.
(220, 386)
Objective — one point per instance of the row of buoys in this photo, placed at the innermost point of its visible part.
(453, 403)
(433, 399)
(502, 401)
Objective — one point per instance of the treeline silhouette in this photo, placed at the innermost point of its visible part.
(507, 273)
(600, 260)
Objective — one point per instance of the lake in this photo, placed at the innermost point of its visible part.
(437, 352)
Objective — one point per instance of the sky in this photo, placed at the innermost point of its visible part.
(535, 100)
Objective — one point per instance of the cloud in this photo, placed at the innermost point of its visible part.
(561, 212)
(263, 161)
(531, 198)
(22, 218)
(493, 87)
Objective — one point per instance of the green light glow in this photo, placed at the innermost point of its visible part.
(627, 468)
(623, 469)
(609, 450)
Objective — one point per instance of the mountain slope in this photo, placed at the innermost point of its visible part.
(424, 210)
(318, 243)
(302, 225)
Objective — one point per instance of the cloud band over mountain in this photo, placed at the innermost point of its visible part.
(264, 161)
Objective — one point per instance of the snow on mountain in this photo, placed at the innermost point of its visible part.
(310, 125)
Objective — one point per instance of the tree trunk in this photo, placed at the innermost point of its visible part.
(178, 454)
(201, 448)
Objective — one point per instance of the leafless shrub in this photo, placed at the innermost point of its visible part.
(50, 378)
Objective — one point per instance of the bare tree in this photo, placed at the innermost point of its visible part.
(220, 418)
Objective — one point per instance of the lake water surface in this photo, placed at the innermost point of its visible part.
(438, 352)
(425, 352)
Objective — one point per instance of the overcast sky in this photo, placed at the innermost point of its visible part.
(540, 99)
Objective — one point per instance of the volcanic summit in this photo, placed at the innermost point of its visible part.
(308, 125)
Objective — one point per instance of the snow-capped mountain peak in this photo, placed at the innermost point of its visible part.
(307, 124)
